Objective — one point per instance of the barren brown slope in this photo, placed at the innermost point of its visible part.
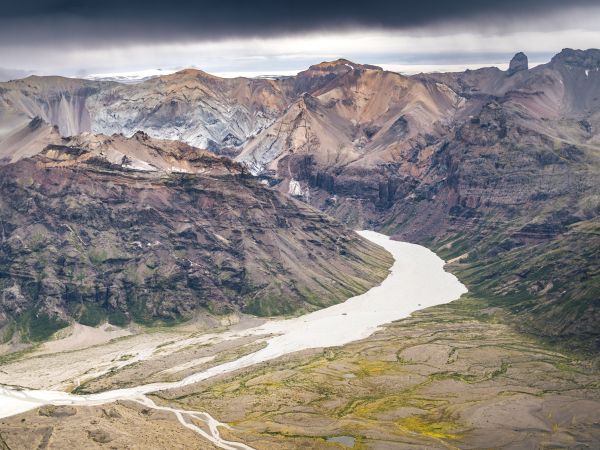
(356, 117)
(27, 141)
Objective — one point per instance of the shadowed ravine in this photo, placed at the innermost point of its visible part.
(417, 280)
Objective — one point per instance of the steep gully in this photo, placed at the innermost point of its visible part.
(417, 280)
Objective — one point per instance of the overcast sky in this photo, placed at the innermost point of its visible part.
(75, 37)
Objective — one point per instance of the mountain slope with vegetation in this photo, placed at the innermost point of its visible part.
(88, 234)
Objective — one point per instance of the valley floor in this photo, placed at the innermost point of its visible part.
(449, 376)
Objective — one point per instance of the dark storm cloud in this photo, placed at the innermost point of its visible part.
(62, 21)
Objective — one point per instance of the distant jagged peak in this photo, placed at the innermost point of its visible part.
(518, 63)
(341, 64)
(51, 83)
(587, 59)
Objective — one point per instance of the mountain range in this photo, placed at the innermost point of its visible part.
(495, 170)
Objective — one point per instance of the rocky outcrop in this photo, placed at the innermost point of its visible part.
(518, 63)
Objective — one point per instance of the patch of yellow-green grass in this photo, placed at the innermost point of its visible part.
(371, 406)
(432, 426)
(371, 368)
(225, 388)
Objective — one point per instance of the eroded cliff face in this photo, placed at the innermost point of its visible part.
(192, 106)
(56, 100)
(87, 237)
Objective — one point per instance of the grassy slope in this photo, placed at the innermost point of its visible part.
(553, 285)
(450, 376)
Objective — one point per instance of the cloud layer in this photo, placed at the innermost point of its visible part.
(63, 21)
(76, 37)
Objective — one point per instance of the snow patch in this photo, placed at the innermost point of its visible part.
(254, 167)
(132, 77)
(179, 170)
(138, 164)
(295, 188)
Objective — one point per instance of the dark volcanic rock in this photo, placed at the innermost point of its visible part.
(518, 63)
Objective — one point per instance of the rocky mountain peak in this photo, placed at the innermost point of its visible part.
(587, 59)
(518, 63)
(341, 65)
(187, 74)
(141, 136)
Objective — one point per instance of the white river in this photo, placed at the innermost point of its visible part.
(417, 280)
